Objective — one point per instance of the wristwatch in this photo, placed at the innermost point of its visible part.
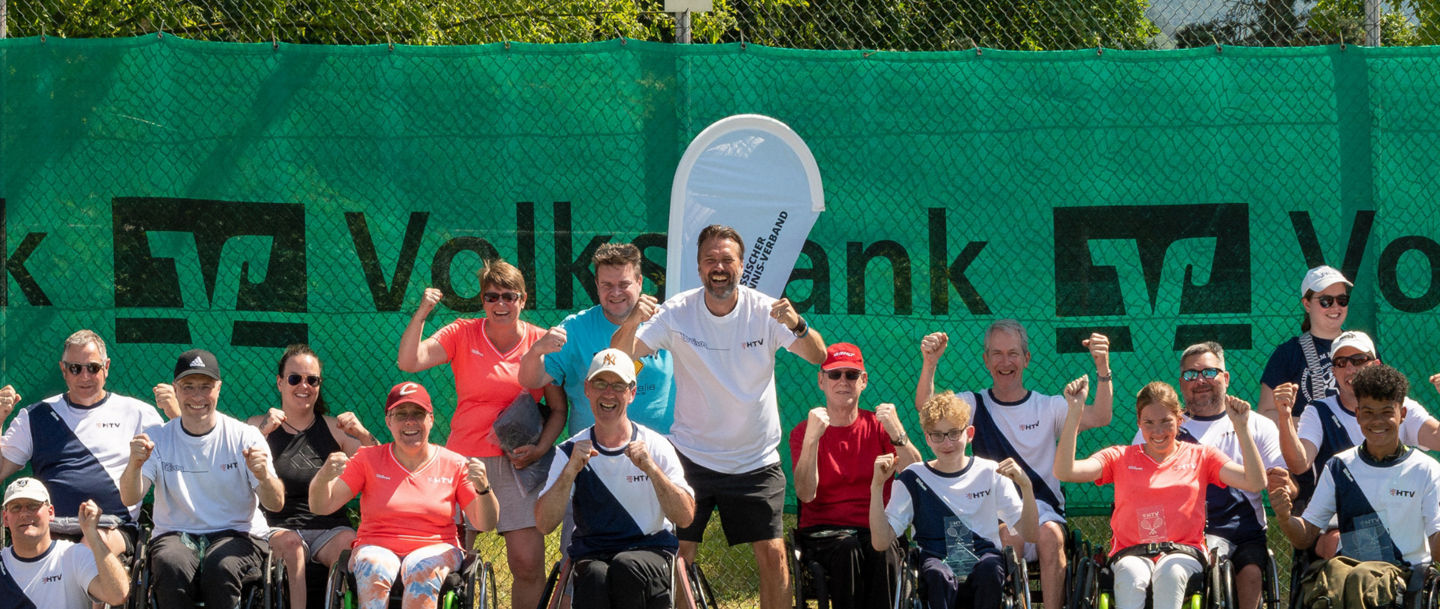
(901, 441)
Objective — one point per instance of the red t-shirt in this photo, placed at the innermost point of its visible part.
(1157, 502)
(846, 463)
(404, 510)
(485, 381)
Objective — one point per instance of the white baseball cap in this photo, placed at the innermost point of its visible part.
(1321, 277)
(1358, 340)
(616, 361)
(26, 488)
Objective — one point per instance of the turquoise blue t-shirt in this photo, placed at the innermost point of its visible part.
(587, 333)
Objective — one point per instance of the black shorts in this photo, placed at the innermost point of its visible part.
(750, 503)
(1250, 553)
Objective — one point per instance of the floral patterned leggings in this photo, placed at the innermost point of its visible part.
(422, 571)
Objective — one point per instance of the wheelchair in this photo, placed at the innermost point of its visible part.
(472, 586)
(689, 588)
(1212, 588)
(1015, 593)
(1422, 585)
(808, 578)
(262, 588)
(1075, 547)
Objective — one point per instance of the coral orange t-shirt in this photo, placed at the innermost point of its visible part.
(485, 381)
(1157, 502)
(403, 511)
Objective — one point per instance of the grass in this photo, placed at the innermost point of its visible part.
(732, 573)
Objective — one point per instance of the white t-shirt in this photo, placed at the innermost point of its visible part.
(970, 502)
(615, 504)
(201, 482)
(58, 579)
(81, 454)
(726, 415)
(1031, 427)
(1313, 432)
(1399, 498)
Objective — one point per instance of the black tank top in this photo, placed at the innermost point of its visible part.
(297, 458)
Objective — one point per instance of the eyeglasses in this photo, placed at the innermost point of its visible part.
(850, 375)
(1326, 301)
(937, 437)
(24, 507)
(1208, 373)
(91, 367)
(600, 385)
(294, 379)
(409, 415)
(494, 297)
(1357, 360)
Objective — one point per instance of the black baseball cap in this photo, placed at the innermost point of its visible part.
(197, 361)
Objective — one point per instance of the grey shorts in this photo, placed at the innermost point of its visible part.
(517, 507)
(312, 539)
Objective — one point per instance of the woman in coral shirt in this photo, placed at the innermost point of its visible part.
(1159, 515)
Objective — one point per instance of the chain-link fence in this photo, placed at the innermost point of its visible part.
(170, 193)
(929, 25)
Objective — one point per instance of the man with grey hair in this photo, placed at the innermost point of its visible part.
(78, 442)
(1234, 519)
(1012, 422)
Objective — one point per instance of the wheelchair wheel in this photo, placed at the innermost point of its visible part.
(1017, 581)
(478, 584)
(276, 592)
(139, 577)
(700, 585)
(1270, 582)
(338, 594)
(555, 584)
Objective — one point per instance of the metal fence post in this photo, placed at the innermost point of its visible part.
(1372, 23)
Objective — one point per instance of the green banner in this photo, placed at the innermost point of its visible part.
(169, 193)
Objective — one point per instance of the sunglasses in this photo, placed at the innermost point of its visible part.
(937, 437)
(75, 369)
(600, 385)
(294, 379)
(1357, 360)
(1208, 373)
(1326, 301)
(494, 297)
(418, 415)
(850, 375)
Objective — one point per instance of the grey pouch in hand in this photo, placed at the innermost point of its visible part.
(518, 426)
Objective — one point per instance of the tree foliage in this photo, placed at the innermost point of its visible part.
(855, 24)
(1300, 22)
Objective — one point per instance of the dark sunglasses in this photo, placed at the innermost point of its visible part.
(600, 385)
(850, 375)
(75, 369)
(494, 297)
(294, 379)
(1208, 373)
(1326, 301)
(1357, 360)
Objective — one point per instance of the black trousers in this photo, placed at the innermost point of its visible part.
(638, 579)
(186, 569)
(856, 576)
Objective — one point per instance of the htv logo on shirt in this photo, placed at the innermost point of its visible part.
(750, 344)
(1395, 492)
(978, 495)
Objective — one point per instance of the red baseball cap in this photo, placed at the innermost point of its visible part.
(843, 355)
(408, 392)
